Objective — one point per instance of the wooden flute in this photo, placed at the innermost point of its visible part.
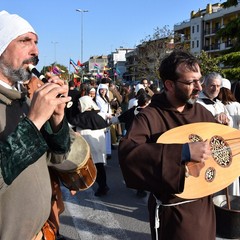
(34, 70)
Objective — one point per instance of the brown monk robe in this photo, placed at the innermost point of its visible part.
(160, 168)
(157, 169)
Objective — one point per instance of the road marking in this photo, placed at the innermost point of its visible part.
(91, 217)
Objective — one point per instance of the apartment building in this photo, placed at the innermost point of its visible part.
(144, 61)
(96, 64)
(199, 32)
(116, 62)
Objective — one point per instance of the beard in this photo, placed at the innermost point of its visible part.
(184, 98)
(17, 75)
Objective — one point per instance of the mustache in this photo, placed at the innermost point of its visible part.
(33, 60)
(194, 92)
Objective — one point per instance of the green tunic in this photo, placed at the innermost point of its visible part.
(25, 190)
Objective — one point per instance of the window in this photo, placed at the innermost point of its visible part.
(197, 43)
(192, 29)
(192, 44)
(197, 28)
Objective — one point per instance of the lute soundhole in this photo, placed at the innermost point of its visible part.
(210, 174)
(221, 152)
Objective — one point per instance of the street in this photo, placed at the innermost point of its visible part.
(121, 214)
(118, 215)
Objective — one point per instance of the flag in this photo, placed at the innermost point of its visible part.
(96, 66)
(56, 70)
(105, 68)
(118, 71)
(99, 76)
(75, 76)
(80, 64)
(76, 67)
(72, 62)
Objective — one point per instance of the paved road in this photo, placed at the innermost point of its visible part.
(118, 215)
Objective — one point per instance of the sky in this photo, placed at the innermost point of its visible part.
(106, 26)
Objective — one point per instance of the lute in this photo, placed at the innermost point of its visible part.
(219, 170)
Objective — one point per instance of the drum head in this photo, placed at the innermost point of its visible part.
(77, 157)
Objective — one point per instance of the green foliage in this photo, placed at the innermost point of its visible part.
(208, 64)
(230, 59)
(232, 73)
(64, 74)
(229, 3)
(231, 29)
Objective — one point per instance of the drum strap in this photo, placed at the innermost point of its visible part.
(158, 204)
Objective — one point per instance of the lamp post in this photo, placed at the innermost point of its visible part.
(81, 11)
(55, 58)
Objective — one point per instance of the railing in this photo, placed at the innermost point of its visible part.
(211, 30)
(212, 47)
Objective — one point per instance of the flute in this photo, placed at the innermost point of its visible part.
(34, 70)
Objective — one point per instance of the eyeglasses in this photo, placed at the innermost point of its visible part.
(193, 82)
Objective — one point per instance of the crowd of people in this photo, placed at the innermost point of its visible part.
(37, 129)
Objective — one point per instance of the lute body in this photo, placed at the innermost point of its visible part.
(221, 169)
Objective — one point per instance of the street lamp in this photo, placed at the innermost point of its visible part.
(81, 11)
(55, 58)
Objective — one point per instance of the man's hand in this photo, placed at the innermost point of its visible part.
(199, 153)
(47, 104)
(222, 118)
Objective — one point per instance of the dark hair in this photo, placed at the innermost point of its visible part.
(143, 80)
(143, 99)
(226, 96)
(105, 80)
(140, 92)
(236, 90)
(169, 65)
(71, 83)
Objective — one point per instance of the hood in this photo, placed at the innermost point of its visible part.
(87, 103)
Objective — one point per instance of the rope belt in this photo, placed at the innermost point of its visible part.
(159, 203)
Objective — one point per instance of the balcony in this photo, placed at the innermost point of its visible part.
(211, 31)
(213, 47)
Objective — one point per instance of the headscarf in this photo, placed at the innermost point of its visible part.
(11, 27)
(87, 103)
(226, 83)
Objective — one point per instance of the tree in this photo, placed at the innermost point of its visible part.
(229, 3)
(63, 71)
(208, 64)
(151, 50)
(231, 63)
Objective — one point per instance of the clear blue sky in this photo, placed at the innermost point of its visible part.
(108, 25)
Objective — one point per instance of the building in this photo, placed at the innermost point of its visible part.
(117, 63)
(200, 31)
(144, 61)
(96, 64)
(131, 73)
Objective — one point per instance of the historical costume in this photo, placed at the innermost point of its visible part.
(157, 168)
(92, 127)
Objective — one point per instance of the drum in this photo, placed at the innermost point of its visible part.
(227, 220)
(78, 172)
